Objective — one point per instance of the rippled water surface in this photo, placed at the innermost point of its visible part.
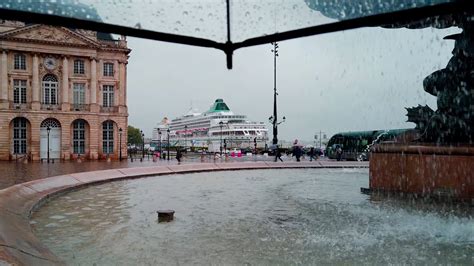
(304, 216)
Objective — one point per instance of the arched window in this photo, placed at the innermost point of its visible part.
(19, 135)
(50, 122)
(50, 138)
(50, 89)
(79, 136)
(108, 137)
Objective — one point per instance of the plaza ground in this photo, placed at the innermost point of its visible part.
(12, 173)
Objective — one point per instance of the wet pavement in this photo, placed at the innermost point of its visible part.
(12, 173)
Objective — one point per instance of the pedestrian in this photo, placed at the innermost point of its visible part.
(277, 153)
(179, 155)
(338, 152)
(297, 152)
(311, 154)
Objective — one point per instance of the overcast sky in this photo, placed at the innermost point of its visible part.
(354, 80)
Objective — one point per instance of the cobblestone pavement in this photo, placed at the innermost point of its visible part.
(12, 173)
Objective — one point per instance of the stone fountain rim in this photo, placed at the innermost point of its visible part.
(425, 148)
(18, 244)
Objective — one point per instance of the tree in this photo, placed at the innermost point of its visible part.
(134, 136)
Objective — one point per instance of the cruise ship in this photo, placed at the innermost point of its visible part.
(211, 129)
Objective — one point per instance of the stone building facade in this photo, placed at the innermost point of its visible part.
(62, 93)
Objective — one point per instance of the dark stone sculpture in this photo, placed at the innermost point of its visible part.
(453, 86)
(420, 115)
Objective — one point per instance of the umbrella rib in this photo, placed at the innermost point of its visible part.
(228, 20)
(367, 21)
(228, 46)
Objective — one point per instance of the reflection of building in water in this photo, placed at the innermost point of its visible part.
(63, 88)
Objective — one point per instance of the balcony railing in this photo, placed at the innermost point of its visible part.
(45, 106)
(115, 43)
(111, 109)
(80, 107)
(20, 106)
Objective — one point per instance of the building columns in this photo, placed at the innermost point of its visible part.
(35, 104)
(121, 83)
(65, 106)
(4, 81)
(100, 100)
(66, 141)
(93, 95)
(34, 144)
(122, 88)
(94, 130)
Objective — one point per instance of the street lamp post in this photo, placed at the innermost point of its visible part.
(159, 136)
(320, 138)
(120, 144)
(143, 144)
(220, 125)
(255, 145)
(274, 119)
(185, 137)
(168, 137)
(48, 129)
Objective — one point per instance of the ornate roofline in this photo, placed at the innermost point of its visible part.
(6, 35)
(47, 42)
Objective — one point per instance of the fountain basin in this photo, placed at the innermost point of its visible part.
(445, 172)
(262, 217)
(19, 246)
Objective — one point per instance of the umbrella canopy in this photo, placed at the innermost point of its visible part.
(297, 143)
(230, 25)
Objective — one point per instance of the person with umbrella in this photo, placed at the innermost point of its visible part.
(297, 150)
